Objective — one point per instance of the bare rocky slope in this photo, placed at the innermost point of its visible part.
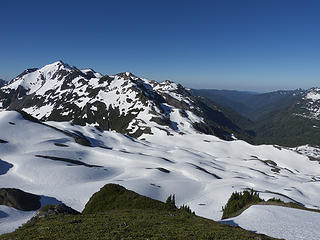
(289, 118)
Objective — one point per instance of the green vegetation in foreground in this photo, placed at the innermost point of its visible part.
(112, 196)
(240, 201)
(130, 224)
(156, 221)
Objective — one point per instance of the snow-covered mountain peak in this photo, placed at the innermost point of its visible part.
(309, 104)
(126, 76)
(32, 80)
(123, 102)
(58, 65)
(313, 94)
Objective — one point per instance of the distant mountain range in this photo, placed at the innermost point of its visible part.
(283, 117)
(250, 104)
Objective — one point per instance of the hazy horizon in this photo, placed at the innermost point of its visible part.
(212, 86)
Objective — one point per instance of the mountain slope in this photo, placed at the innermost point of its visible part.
(123, 102)
(48, 159)
(120, 219)
(288, 118)
(250, 104)
(298, 124)
(54, 164)
(236, 100)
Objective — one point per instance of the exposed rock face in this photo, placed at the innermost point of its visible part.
(19, 199)
(50, 210)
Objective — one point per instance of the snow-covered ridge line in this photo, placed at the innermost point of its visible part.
(313, 94)
(60, 92)
(310, 104)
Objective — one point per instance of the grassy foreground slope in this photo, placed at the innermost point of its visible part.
(156, 221)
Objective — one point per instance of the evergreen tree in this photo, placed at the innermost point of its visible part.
(239, 200)
(171, 202)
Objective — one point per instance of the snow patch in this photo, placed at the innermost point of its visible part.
(279, 222)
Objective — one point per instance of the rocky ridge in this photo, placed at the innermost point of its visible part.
(122, 102)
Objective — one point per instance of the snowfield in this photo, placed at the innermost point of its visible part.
(11, 218)
(279, 222)
(201, 170)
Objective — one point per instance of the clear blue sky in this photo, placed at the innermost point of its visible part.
(227, 44)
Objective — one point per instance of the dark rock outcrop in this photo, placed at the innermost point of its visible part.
(50, 210)
(19, 199)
